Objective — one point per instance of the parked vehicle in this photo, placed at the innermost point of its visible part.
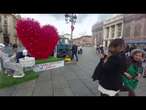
(64, 48)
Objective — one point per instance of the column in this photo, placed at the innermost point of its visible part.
(104, 43)
(104, 35)
(110, 35)
(122, 29)
(116, 31)
(110, 32)
(108, 43)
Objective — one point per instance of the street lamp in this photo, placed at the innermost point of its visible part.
(72, 19)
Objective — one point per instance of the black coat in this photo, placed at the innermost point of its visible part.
(109, 74)
(74, 49)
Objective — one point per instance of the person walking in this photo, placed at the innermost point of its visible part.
(97, 50)
(75, 52)
(110, 68)
(101, 49)
(134, 72)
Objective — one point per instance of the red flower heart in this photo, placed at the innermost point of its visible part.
(39, 41)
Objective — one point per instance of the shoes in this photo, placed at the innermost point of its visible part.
(18, 75)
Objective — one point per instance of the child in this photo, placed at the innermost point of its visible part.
(134, 71)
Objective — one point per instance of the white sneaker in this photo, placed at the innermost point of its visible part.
(18, 75)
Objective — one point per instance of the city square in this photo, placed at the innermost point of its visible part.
(67, 77)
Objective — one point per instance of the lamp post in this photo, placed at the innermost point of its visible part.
(72, 19)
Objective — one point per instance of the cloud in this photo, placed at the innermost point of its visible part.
(80, 17)
(83, 24)
(103, 17)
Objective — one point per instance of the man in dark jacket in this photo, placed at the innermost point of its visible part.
(75, 51)
(110, 69)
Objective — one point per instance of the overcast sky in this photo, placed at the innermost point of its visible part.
(82, 27)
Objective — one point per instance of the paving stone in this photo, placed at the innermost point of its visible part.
(70, 80)
(63, 92)
(45, 76)
(24, 89)
(79, 89)
(43, 89)
(7, 91)
(70, 76)
(61, 83)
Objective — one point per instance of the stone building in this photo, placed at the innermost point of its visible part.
(112, 29)
(97, 33)
(135, 29)
(8, 28)
(84, 41)
(131, 27)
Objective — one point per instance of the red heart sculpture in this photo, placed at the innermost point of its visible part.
(39, 41)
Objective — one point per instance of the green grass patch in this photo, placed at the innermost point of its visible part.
(7, 81)
(50, 59)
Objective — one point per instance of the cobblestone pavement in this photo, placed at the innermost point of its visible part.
(70, 80)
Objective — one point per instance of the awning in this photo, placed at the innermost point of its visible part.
(136, 42)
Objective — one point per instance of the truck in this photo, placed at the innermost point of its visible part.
(64, 48)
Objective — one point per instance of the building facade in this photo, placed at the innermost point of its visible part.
(8, 28)
(84, 41)
(97, 33)
(112, 29)
(135, 29)
(130, 27)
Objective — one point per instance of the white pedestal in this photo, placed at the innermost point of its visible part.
(48, 66)
(27, 61)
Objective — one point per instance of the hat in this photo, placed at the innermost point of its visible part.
(137, 50)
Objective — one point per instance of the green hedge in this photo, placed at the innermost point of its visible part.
(50, 59)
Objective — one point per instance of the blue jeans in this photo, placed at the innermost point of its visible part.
(75, 56)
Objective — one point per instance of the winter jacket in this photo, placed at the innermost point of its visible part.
(109, 74)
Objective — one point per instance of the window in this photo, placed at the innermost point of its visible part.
(137, 30)
(144, 30)
(107, 32)
(5, 29)
(119, 30)
(127, 31)
(105, 43)
(113, 31)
